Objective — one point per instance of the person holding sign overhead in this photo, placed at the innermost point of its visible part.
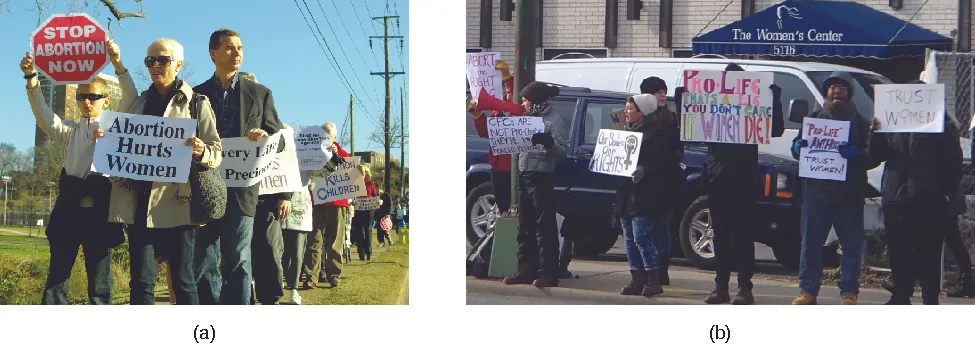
(80, 214)
(329, 221)
(730, 179)
(538, 233)
(830, 203)
(644, 202)
(921, 176)
(158, 214)
(500, 164)
(243, 108)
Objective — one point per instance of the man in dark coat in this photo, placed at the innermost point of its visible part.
(921, 175)
(730, 179)
(836, 204)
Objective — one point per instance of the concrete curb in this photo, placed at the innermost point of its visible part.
(403, 297)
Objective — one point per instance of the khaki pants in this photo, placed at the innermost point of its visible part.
(330, 221)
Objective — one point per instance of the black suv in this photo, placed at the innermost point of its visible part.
(586, 198)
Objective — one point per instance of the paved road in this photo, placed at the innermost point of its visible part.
(598, 282)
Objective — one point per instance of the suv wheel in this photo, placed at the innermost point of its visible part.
(697, 234)
(482, 212)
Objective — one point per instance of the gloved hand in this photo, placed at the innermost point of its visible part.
(797, 146)
(341, 160)
(544, 139)
(849, 152)
(776, 91)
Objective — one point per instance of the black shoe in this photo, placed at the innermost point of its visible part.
(333, 281)
(653, 287)
(664, 274)
(638, 280)
(966, 286)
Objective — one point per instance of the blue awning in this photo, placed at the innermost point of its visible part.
(821, 28)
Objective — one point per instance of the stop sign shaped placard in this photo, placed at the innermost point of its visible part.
(70, 48)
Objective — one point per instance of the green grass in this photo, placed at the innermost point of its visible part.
(23, 272)
(375, 283)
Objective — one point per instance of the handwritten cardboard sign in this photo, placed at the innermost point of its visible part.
(482, 74)
(246, 162)
(727, 107)
(345, 183)
(371, 203)
(147, 148)
(910, 108)
(617, 152)
(821, 158)
(313, 147)
(284, 175)
(513, 135)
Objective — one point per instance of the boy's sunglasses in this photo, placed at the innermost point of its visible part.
(163, 60)
(89, 96)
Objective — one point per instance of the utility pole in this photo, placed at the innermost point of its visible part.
(402, 146)
(351, 126)
(526, 31)
(386, 75)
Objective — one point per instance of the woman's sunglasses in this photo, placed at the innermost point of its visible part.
(89, 96)
(163, 60)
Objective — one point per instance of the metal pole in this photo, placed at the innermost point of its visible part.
(525, 42)
(6, 202)
(402, 146)
(351, 126)
(386, 122)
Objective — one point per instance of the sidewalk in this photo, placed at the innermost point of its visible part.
(601, 281)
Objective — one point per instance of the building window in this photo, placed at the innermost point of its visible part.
(474, 50)
(682, 53)
(572, 53)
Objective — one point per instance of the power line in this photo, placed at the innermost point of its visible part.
(328, 56)
(331, 28)
(359, 20)
(368, 11)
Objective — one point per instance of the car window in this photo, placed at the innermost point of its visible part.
(792, 88)
(600, 115)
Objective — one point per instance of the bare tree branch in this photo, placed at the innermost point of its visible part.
(119, 15)
(377, 137)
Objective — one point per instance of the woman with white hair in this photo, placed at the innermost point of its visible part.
(157, 214)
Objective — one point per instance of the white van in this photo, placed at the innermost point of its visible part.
(798, 80)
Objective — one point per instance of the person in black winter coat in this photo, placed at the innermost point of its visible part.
(657, 87)
(644, 203)
(384, 210)
(730, 179)
(921, 175)
(836, 204)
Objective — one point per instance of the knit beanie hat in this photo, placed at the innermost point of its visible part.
(538, 93)
(652, 84)
(645, 103)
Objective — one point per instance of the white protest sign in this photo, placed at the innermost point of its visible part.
(345, 183)
(313, 143)
(910, 108)
(512, 135)
(821, 158)
(482, 74)
(371, 203)
(246, 162)
(617, 152)
(284, 175)
(147, 148)
(727, 107)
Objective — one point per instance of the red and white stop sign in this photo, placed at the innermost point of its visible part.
(70, 48)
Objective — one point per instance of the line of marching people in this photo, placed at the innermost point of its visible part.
(921, 198)
(259, 239)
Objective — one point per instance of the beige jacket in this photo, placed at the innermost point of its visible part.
(169, 203)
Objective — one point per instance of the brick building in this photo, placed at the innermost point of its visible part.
(573, 27)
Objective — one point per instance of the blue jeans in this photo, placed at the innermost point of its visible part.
(638, 233)
(174, 243)
(847, 220)
(232, 235)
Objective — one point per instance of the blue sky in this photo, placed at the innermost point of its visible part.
(279, 49)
